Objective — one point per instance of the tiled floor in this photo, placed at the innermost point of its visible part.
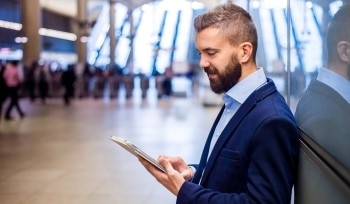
(63, 155)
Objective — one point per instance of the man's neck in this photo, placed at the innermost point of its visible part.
(340, 69)
(248, 69)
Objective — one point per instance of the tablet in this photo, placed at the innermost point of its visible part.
(136, 151)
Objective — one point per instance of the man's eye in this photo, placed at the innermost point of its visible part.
(211, 53)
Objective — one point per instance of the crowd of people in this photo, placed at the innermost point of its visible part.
(41, 81)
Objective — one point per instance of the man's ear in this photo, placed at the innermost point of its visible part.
(246, 52)
(344, 51)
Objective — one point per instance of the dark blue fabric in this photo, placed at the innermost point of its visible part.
(254, 159)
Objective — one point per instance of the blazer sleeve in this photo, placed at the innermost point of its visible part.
(272, 159)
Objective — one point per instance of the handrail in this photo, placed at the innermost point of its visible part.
(120, 32)
(296, 40)
(175, 38)
(275, 34)
(326, 162)
(318, 25)
(132, 36)
(157, 44)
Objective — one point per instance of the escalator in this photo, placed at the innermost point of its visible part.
(275, 35)
(173, 47)
(156, 46)
(98, 45)
(106, 39)
(296, 41)
(131, 39)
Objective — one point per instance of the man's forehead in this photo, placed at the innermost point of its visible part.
(209, 38)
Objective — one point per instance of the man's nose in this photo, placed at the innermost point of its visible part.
(203, 62)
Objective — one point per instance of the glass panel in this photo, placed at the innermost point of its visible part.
(323, 110)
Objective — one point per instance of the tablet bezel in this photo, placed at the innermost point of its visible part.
(130, 147)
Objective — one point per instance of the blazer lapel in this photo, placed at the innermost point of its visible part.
(232, 125)
(197, 176)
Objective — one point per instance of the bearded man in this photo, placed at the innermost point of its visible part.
(252, 149)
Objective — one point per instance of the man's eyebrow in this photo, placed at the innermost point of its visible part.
(208, 49)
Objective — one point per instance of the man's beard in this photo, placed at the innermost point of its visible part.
(228, 78)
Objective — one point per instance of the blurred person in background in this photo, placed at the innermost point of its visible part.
(13, 79)
(43, 78)
(3, 88)
(167, 82)
(30, 81)
(68, 79)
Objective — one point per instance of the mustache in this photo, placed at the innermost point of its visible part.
(210, 70)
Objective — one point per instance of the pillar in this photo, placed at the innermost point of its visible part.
(132, 36)
(112, 42)
(82, 31)
(31, 21)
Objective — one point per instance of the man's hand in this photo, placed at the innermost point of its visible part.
(177, 172)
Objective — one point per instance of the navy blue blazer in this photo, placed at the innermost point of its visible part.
(254, 159)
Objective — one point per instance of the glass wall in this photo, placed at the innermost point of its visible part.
(291, 43)
(305, 47)
(291, 35)
(162, 33)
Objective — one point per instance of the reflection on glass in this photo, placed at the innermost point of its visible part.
(323, 113)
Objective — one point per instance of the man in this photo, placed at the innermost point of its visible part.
(323, 113)
(252, 147)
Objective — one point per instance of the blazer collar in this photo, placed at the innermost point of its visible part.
(328, 91)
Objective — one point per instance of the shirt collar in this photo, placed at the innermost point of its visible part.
(336, 82)
(244, 88)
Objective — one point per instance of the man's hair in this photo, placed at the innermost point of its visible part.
(234, 23)
(338, 30)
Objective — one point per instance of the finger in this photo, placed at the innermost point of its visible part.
(178, 163)
(166, 164)
(162, 157)
(187, 174)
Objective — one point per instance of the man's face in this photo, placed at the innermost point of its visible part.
(218, 59)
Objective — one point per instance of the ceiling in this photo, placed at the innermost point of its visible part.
(69, 7)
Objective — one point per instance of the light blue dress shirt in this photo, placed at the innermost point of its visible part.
(336, 82)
